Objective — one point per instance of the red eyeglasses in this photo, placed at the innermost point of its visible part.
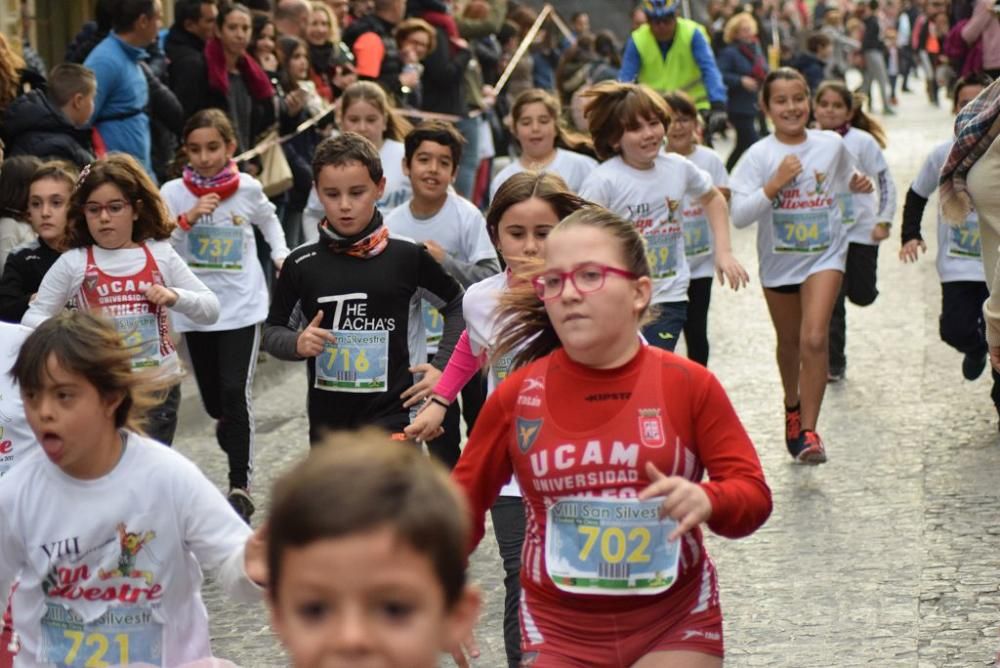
(586, 278)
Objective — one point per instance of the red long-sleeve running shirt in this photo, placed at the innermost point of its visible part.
(569, 430)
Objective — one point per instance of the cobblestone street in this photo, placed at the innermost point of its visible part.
(889, 555)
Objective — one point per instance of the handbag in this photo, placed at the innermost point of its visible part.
(275, 174)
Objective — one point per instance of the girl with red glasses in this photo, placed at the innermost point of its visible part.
(610, 440)
(121, 264)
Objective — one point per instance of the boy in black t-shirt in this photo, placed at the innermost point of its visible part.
(357, 289)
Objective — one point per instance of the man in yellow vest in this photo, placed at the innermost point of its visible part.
(670, 53)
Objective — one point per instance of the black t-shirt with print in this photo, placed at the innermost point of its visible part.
(367, 303)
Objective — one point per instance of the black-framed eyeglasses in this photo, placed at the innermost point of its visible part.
(586, 278)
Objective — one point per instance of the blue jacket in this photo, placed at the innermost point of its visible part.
(734, 65)
(122, 96)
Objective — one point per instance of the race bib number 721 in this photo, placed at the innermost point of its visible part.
(119, 637)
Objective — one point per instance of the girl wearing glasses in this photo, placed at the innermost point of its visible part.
(121, 263)
(640, 182)
(683, 138)
(524, 210)
(609, 440)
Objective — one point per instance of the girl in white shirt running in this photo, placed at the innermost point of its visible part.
(106, 531)
(646, 186)
(545, 142)
(867, 217)
(216, 208)
(788, 183)
(683, 138)
(526, 207)
(365, 109)
(122, 265)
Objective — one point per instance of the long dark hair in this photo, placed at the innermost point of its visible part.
(15, 182)
(855, 105)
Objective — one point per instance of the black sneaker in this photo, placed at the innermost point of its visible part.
(242, 503)
(973, 365)
(835, 375)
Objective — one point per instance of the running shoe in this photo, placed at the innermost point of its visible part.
(835, 375)
(810, 448)
(793, 428)
(973, 365)
(242, 503)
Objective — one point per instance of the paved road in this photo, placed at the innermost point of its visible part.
(886, 556)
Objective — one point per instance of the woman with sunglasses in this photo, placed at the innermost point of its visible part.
(609, 440)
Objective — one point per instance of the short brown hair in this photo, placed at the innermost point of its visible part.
(345, 148)
(122, 170)
(357, 482)
(67, 80)
(616, 107)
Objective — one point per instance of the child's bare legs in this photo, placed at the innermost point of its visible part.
(802, 325)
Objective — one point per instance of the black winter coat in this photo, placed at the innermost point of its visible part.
(32, 125)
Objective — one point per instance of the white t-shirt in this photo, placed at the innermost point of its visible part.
(479, 309)
(651, 199)
(859, 211)
(397, 189)
(959, 255)
(119, 557)
(16, 437)
(222, 252)
(459, 227)
(799, 233)
(573, 167)
(699, 245)
(62, 283)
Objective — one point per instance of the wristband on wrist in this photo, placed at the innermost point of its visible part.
(182, 222)
(439, 402)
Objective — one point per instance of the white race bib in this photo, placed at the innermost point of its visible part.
(119, 637)
(358, 362)
(613, 547)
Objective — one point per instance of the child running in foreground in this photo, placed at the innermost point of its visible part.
(595, 424)
(106, 531)
(382, 580)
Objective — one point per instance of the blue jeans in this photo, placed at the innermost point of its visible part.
(666, 329)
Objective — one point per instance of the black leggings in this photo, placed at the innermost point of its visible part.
(161, 420)
(696, 325)
(508, 527)
(224, 364)
(962, 325)
(859, 285)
